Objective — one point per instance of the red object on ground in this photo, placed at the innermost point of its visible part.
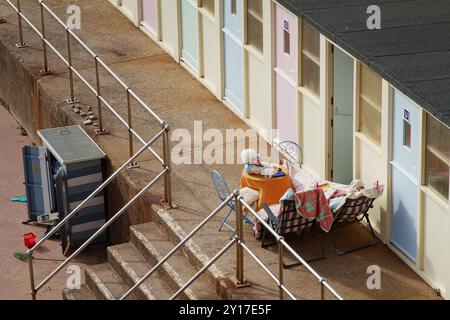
(29, 240)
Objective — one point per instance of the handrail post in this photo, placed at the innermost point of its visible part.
(240, 277)
(100, 130)
(72, 99)
(31, 270)
(21, 43)
(134, 164)
(46, 70)
(280, 269)
(322, 289)
(167, 164)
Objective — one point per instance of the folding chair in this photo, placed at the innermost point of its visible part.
(223, 191)
(290, 221)
(353, 210)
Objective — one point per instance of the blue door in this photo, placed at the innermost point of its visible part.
(189, 34)
(405, 175)
(37, 182)
(233, 47)
(343, 82)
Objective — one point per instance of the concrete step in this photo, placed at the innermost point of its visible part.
(106, 284)
(193, 253)
(82, 294)
(131, 265)
(154, 242)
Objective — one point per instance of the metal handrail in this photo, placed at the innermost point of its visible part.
(240, 248)
(178, 246)
(283, 244)
(165, 160)
(96, 234)
(72, 71)
(270, 273)
(205, 267)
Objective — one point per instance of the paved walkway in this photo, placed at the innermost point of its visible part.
(180, 99)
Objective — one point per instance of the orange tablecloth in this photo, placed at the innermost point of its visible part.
(271, 189)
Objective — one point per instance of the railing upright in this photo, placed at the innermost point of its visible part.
(130, 127)
(168, 166)
(322, 290)
(280, 270)
(32, 282)
(21, 43)
(72, 99)
(240, 277)
(100, 130)
(46, 70)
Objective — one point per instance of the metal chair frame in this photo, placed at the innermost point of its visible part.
(288, 223)
(349, 214)
(223, 191)
(293, 151)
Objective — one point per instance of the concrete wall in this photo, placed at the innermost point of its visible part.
(19, 92)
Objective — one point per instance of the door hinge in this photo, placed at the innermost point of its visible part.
(332, 123)
(332, 174)
(332, 101)
(332, 49)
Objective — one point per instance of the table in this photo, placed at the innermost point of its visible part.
(271, 189)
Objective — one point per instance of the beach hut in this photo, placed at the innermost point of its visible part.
(382, 103)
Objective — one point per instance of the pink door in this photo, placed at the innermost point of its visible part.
(286, 100)
(286, 74)
(150, 16)
(286, 37)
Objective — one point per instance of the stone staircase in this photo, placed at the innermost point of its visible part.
(128, 262)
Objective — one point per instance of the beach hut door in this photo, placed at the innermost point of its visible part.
(343, 88)
(233, 54)
(189, 31)
(150, 16)
(405, 175)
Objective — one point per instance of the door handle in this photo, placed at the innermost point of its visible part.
(337, 111)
